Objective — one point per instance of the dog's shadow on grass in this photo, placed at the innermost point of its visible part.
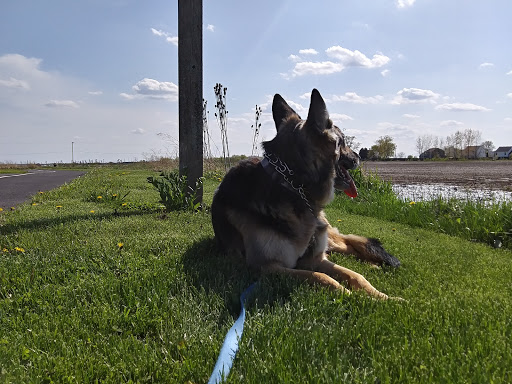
(228, 276)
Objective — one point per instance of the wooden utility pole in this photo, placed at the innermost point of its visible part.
(190, 82)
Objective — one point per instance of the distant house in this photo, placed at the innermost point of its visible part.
(503, 152)
(476, 152)
(433, 153)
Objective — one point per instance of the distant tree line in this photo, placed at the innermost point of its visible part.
(384, 148)
(461, 144)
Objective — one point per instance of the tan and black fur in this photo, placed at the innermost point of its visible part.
(270, 211)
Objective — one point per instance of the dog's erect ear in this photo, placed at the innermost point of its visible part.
(281, 110)
(318, 117)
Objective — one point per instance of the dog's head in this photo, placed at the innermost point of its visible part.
(318, 142)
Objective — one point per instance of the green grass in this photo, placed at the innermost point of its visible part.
(11, 171)
(126, 294)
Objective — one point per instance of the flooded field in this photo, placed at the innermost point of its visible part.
(466, 180)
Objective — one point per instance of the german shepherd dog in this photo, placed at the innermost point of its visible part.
(270, 211)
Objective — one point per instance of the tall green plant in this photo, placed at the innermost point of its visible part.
(174, 192)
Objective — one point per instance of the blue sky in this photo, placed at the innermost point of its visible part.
(103, 73)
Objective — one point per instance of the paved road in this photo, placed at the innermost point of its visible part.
(18, 188)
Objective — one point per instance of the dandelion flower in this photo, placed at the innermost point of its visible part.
(13, 209)
(34, 203)
(114, 195)
(41, 192)
(120, 245)
(58, 206)
(124, 205)
(1, 209)
(91, 211)
(339, 220)
(100, 197)
(5, 250)
(412, 203)
(19, 249)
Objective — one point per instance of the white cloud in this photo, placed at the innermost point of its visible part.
(415, 95)
(309, 51)
(61, 104)
(168, 37)
(316, 68)
(486, 65)
(342, 58)
(410, 116)
(509, 72)
(358, 24)
(211, 27)
(299, 108)
(19, 64)
(387, 126)
(385, 72)
(405, 3)
(153, 89)
(352, 97)
(355, 58)
(451, 123)
(509, 95)
(306, 96)
(127, 96)
(138, 131)
(14, 83)
(95, 93)
(508, 119)
(340, 117)
(462, 107)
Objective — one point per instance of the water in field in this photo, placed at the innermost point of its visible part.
(422, 192)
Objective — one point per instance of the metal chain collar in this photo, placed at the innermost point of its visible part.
(286, 172)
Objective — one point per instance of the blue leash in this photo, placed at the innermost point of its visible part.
(230, 346)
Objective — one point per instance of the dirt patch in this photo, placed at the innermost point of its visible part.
(495, 175)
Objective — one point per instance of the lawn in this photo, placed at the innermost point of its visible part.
(97, 284)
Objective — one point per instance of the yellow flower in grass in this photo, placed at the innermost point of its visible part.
(124, 205)
(339, 220)
(58, 206)
(1, 209)
(412, 203)
(19, 249)
(34, 203)
(13, 209)
(41, 192)
(114, 195)
(5, 250)
(120, 245)
(91, 211)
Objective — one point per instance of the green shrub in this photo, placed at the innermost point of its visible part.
(175, 194)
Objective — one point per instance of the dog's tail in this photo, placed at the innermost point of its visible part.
(376, 252)
(364, 248)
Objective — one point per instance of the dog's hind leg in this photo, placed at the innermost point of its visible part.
(355, 280)
(311, 277)
(366, 249)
